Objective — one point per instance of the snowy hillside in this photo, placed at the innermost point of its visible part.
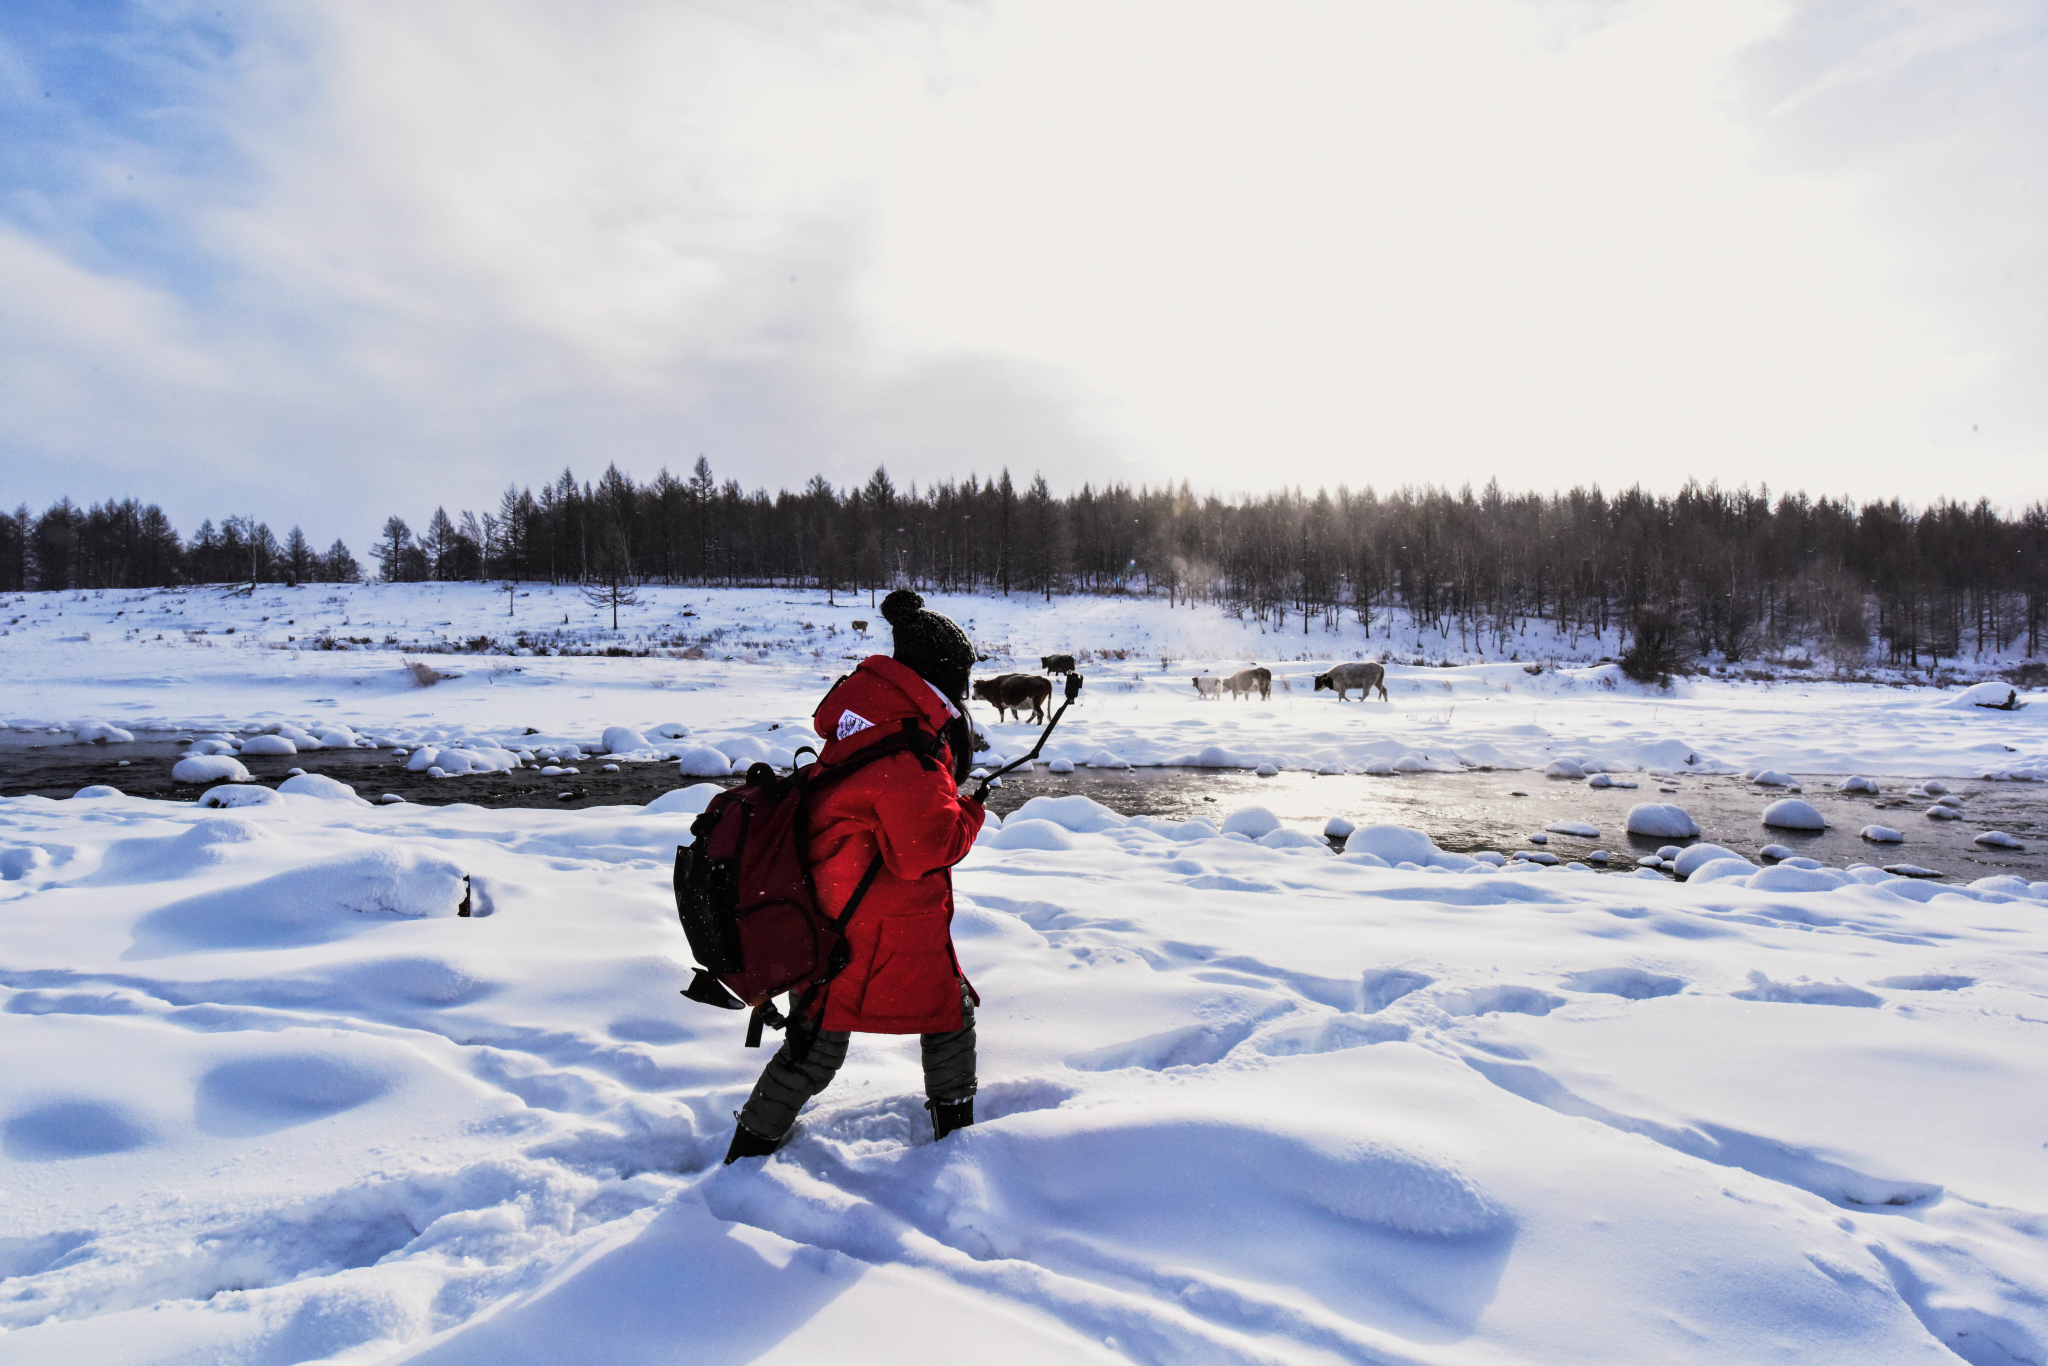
(266, 1097)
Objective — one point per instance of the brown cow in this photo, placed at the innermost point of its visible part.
(1013, 692)
(1244, 681)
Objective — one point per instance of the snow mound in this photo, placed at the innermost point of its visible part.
(1292, 839)
(1076, 813)
(1579, 828)
(1858, 783)
(268, 745)
(1995, 696)
(670, 730)
(701, 761)
(1564, 768)
(96, 790)
(1938, 812)
(321, 786)
(1997, 839)
(1060, 766)
(1699, 856)
(1777, 851)
(1027, 834)
(314, 904)
(1214, 756)
(210, 768)
(1721, 869)
(1253, 822)
(1793, 814)
(1103, 758)
(746, 750)
(1336, 828)
(1881, 834)
(1272, 770)
(1397, 844)
(1661, 820)
(1769, 777)
(1787, 878)
(683, 801)
(218, 798)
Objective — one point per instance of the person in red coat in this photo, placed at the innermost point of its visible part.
(906, 808)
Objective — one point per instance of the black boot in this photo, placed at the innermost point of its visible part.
(948, 1115)
(747, 1143)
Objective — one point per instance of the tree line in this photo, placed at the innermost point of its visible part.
(1734, 572)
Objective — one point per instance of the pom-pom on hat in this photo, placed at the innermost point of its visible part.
(930, 643)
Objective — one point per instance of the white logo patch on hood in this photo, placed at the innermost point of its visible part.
(853, 723)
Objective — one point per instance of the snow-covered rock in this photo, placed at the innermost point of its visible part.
(1776, 852)
(1103, 758)
(1661, 820)
(239, 795)
(321, 786)
(701, 761)
(1881, 834)
(1564, 768)
(270, 745)
(209, 768)
(1790, 813)
(1060, 766)
(1997, 839)
(1939, 812)
(623, 740)
(100, 733)
(1580, 829)
(1856, 783)
(1336, 828)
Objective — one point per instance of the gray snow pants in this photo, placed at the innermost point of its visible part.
(786, 1084)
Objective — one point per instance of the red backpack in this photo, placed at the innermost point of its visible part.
(745, 897)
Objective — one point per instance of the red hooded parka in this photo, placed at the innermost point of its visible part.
(903, 977)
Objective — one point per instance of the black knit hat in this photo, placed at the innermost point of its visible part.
(930, 643)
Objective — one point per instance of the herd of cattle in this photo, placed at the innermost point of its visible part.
(1012, 693)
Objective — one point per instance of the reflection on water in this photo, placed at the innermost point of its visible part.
(1462, 812)
(1465, 812)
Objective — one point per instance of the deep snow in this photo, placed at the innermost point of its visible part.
(265, 1097)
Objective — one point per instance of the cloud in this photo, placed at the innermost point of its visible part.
(375, 257)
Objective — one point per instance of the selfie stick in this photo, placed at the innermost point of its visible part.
(1073, 691)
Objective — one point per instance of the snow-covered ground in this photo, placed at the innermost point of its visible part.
(266, 1098)
(198, 660)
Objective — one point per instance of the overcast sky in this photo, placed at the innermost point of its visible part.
(324, 260)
